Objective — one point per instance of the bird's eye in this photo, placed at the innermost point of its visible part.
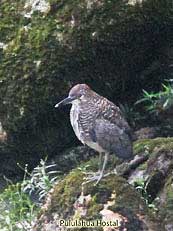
(82, 97)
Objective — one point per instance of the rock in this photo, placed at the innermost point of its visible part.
(69, 42)
(113, 197)
(146, 133)
(148, 207)
(164, 201)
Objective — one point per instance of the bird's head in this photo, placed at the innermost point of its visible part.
(77, 92)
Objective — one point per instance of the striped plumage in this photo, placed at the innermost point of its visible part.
(98, 123)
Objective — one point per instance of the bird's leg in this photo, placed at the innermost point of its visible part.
(94, 174)
(98, 176)
(103, 168)
(100, 161)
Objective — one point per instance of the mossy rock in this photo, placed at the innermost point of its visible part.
(139, 211)
(159, 165)
(141, 146)
(164, 201)
(75, 41)
(121, 199)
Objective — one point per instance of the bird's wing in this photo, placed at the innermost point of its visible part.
(111, 138)
(113, 114)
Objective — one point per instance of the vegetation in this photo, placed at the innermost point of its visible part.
(118, 48)
(17, 211)
(20, 203)
(40, 181)
(160, 101)
(75, 41)
(141, 187)
(112, 190)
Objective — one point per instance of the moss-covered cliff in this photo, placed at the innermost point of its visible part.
(144, 204)
(47, 46)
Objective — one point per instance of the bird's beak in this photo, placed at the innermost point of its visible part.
(65, 101)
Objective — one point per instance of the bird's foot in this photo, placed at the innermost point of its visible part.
(93, 177)
(91, 173)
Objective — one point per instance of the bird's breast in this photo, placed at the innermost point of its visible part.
(82, 121)
(74, 119)
(81, 128)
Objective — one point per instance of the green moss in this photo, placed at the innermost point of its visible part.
(122, 197)
(159, 148)
(113, 190)
(10, 19)
(94, 208)
(166, 211)
(143, 166)
(148, 145)
(164, 204)
(76, 41)
(68, 190)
